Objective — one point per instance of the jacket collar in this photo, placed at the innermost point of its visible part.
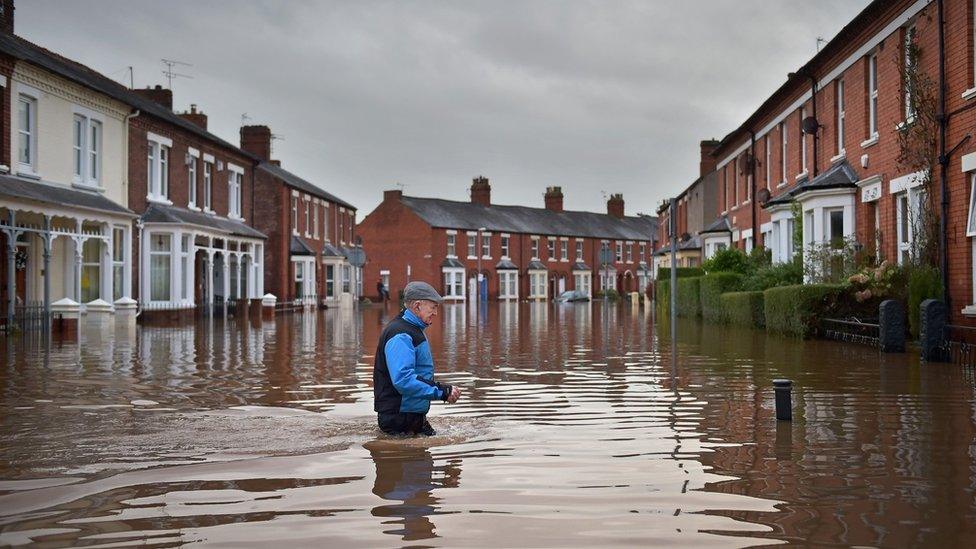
(413, 319)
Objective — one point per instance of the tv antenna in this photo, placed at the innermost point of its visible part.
(276, 137)
(820, 40)
(170, 74)
(400, 186)
(245, 119)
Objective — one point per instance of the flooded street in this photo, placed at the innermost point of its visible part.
(577, 428)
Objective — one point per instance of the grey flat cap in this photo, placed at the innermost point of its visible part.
(421, 290)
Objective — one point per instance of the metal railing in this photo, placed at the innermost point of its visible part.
(28, 317)
(959, 345)
(852, 330)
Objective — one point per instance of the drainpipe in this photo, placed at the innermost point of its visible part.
(943, 159)
(752, 186)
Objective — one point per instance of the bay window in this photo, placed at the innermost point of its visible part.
(508, 284)
(118, 262)
(453, 283)
(91, 269)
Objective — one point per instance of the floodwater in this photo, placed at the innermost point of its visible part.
(577, 428)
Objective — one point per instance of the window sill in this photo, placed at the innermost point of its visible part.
(801, 175)
(564, 260)
(724, 212)
(873, 140)
(88, 187)
(159, 200)
(781, 184)
(969, 311)
(841, 156)
(969, 94)
(734, 208)
(193, 207)
(469, 257)
(241, 219)
(29, 175)
(747, 202)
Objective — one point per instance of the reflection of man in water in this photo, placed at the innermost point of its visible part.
(406, 474)
(403, 371)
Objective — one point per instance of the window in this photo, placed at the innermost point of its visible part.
(294, 214)
(835, 228)
(191, 178)
(769, 159)
(185, 268)
(234, 183)
(971, 226)
(803, 142)
(207, 186)
(808, 227)
(581, 282)
(564, 250)
(160, 247)
(472, 246)
(643, 252)
(579, 250)
(485, 246)
(315, 220)
(299, 279)
(508, 284)
(620, 251)
(90, 269)
(537, 284)
(330, 280)
(118, 262)
(735, 182)
(158, 171)
(782, 152)
(308, 216)
(872, 95)
(790, 228)
(535, 247)
(551, 249)
(454, 283)
(86, 150)
(505, 246)
(325, 221)
(905, 229)
(909, 59)
(27, 132)
(841, 116)
(451, 245)
(630, 253)
(725, 190)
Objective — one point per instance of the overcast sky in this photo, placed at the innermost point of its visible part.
(597, 97)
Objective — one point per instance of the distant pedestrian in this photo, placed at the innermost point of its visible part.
(382, 291)
(403, 368)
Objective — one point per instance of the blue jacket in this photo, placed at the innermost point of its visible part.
(403, 368)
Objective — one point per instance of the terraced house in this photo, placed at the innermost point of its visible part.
(64, 215)
(516, 252)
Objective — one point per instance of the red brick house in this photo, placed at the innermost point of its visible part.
(311, 233)
(522, 252)
(841, 166)
(194, 192)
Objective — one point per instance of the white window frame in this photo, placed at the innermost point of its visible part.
(619, 249)
(235, 184)
(506, 244)
(564, 250)
(630, 252)
(784, 141)
(451, 244)
(579, 250)
(583, 282)
(508, 286)
(158, 160)
(910, 34)
(538, 279)
(485, 245)
(315, 218)
(191, 182)
(28, 134)
(828, 235)
(294, 214)
(535, 248)
(841, 117)
(472, 245)
(208, 167)
(308, 215)
(86, 148)
(769, 168)
(454, 283)
(971, 218)
(803, 144)
(873, 95)
(551, 249)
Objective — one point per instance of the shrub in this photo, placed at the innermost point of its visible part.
(781, 274)
(664, 273)
(612, 294)
(662, 292)
(728, 260)
(797, 310)
(689, 297)
(712, 287)
(744, 308)
(924, 282)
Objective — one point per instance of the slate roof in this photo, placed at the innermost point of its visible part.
(328, 250)
(53, 193)
(302, 184)
(452, 263)
(580, 266)
(838, 176)
(451, 214)
(720, 225)
(506, 265)
(298, 247)
(536, 266)
(25, 50)
(158, 213)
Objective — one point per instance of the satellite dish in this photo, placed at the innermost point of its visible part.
(810, 125)
(763, 196)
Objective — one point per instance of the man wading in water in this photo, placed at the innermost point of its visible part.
(403, 370)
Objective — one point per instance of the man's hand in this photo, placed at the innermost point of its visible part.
(455, 395)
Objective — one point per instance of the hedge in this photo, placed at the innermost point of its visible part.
(664, 273)
(689, 297)
(797, 310)
(744, 308)
(712, 287)
(662, 293)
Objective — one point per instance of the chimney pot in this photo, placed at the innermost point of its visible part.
(615, 206)
(481, 191)
(554, 199)
(257, 141)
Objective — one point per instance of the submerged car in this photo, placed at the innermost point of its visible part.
(572, 295)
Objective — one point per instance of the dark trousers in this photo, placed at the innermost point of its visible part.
(404, 423)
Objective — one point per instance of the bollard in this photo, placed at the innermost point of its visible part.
(931, 333)
(784, 404)
(891, 327)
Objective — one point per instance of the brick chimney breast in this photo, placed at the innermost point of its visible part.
(195, 116)
(7, 16)
(257, 141)
(615, 206)
(554, 199)
(708, 162)
(480, 191)
(395, 194)
(157, 94)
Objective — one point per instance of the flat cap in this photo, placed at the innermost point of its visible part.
(421, 290)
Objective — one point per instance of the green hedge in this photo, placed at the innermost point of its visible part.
(664, 273)
(923, 283)
(662, 293)
(744, 308)
(797, 310)
(689, 297)
(712, 287)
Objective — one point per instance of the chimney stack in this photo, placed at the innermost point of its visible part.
(396, 195)
(481, 191)
(194, 116)
(708, 162)
(7, 16)
(615, 206)
(257, 141)
(554, 199)
(157, 94)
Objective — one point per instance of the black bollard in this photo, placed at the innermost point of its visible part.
(784, 404)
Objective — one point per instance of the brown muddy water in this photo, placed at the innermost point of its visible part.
(576, 429)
